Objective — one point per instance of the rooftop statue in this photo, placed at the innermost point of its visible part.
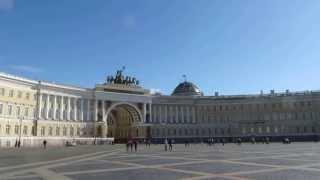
(121, 79)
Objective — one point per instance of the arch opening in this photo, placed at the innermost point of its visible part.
(122, 120)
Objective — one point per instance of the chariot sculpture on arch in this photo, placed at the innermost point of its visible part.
(119, 78)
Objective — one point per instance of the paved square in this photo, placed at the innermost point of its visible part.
(247, 161)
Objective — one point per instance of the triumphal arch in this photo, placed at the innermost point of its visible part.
(123, 108)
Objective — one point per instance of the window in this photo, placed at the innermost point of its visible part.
(64, 131)
(25, 130)
(275, 129)
(18, 110)
(1, 108)
(11, 93)
(57, 131)
(43, 131)
(78, 131)
(26, 112)
(8, 129)
(243, 130)
(19, 94)
(252, 130)
(33, 130)
(9, 109)
(27, 96)
(267, 129)
(16, 129)
(2, 91)
(50, 131)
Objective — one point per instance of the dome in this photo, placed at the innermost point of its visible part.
(187, 89)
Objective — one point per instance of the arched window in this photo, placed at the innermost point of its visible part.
(64, 131)
(57, 131)
(71, 131)
(50, 131)
(43, 131)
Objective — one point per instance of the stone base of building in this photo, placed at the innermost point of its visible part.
(233, 139)
(10, 142)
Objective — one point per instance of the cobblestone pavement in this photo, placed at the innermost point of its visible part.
(259, 161)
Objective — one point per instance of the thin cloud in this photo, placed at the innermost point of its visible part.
(7, 5)
(26, 68)
(155, 91)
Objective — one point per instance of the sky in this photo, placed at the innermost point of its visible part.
(228, 46)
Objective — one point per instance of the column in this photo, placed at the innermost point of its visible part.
(61, 107)
(177, 115)
(150, 114)
(39, 105)
(207, 114)
(160, 114)
(68, 108)
(47, 106)
(188, 114)
(54, 107)
(103, 111)
(88, 109)
(144, 112)
(75, 109)
(193, 115)
(81, 109)
(182, 114)
(165, 114)
(95, 110)
(169, 114)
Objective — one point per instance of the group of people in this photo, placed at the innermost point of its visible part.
(17, 144)
(132, 143)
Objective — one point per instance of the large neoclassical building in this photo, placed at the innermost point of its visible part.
(121, 108)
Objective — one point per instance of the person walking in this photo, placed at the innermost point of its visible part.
(149, 143)
(135, 145)
(16, 144)
(166, 144)
(131, 144)
(170, 145)
(127, 145)
(44, 144)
